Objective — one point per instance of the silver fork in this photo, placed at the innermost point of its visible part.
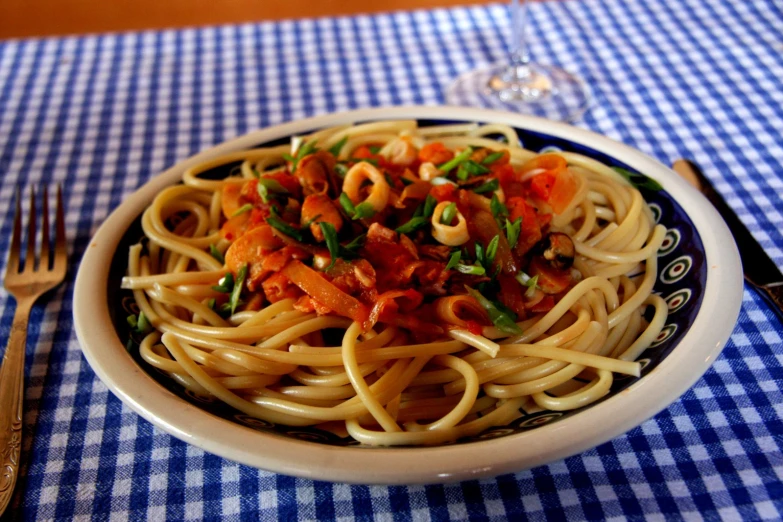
(38, 275)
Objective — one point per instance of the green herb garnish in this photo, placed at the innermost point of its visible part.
(414, 224)
(471, 269)
(347, 204)
(236, 292)
(429, 206)
(330, 235)
(139, 324)
(284, 227)
(497, 208)
(374, 149)
(530, 282)
(492, 158)
(247, 207)
(639, 181)
(341, 169)
(268, 186)
(492, 250)
(225, 285)
(453, 260)
(449, 213)
(363, 210)
(214, 252)
(490, 186)
(337, 147)
(305, 149)
(471, 168)
(502, 320)
(356, 244)
(456, 160)
(512, 231)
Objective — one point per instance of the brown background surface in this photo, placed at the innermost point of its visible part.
(20, 18)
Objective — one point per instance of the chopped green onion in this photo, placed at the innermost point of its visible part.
(306, 149)
(406, 181)
(456, 160)
(289, 158)
(500, 319)
(471, 269)
(440, 180)
(471, 168)
(429, 206)
(356, 243)
(639, 181)
(337, 147)
(330, 235)
(492, 250)
(530, 282)
(143, 325)
(313, 220)
(247, 207)
(480, 257)
(226, 284)
(363, 210)
(512, 231)
(490, 186)
(347, 204)
(454, 260)
(211, 304)
(492, 158)
(413, 225)
(267, 186)
(449, 213)
(341, 169)
(284, 227)
(498, 209)
(236, 292)
(133, 321)
(389, 179)
(374, 149)
(214, 252)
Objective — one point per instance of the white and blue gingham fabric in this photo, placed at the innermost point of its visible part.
(102, 114)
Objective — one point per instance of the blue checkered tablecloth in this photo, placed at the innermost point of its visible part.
(102, 114)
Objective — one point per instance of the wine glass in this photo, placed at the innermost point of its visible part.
(520, 85)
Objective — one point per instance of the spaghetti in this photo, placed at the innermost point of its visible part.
(396, 284)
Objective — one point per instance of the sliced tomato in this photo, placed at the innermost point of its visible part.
(530, 231)
(563, 191)
(436, 153)
(445, 192)
(552, 163)
(541, 185)
(230, 198)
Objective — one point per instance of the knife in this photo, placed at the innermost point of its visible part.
(760, 271)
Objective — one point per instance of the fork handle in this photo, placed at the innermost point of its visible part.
(11, 395)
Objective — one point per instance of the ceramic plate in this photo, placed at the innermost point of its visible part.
(699, 276)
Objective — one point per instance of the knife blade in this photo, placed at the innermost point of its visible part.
(760, 271)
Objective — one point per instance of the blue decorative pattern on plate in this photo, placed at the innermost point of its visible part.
(681, 280)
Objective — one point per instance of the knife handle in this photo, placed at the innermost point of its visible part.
(773, 295)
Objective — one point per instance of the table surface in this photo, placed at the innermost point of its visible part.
(23, 18)
(693, 78)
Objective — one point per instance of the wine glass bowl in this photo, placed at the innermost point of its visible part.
(520, 85)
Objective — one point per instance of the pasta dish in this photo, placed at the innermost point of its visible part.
(397, 284)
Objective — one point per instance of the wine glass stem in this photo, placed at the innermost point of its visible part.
(519, 53)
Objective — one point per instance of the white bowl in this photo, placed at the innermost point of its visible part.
(673, 375)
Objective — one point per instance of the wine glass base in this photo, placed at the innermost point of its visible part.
(539, 90)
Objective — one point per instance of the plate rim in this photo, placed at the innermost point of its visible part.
(707, 335)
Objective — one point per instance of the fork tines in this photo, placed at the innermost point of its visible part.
(44, 261)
